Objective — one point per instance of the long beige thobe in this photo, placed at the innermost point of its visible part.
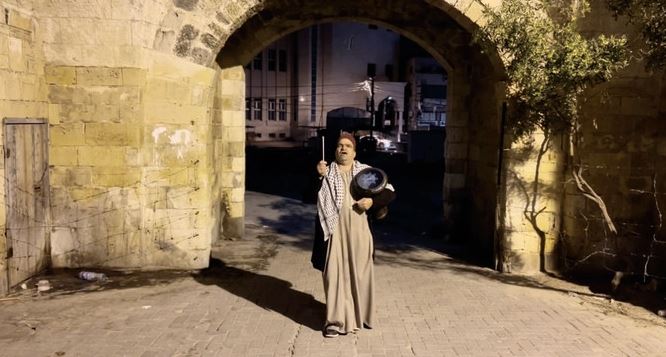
(348, 275)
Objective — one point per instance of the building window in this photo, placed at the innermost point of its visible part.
(282, 60)
(271, 135)
(271, 109)
(272, 59)
(257, 62)
(283, 135)
(388, 71)
(282, 109)
(258, 135)
(371, 70)
(248, 107)
(256, 108)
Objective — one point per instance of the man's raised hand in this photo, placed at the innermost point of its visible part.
(322, 168)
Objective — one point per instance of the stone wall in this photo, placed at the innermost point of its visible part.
(531, 199)
(483, 157)
(131, 157)
(132, 139)
(622, 154)
(147, 131)
(22, 88)
(230, 151)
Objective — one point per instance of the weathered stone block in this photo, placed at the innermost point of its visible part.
(156, 89)
(17, 60)
(175, 114)
(233, 103)
(63, 241)
(168, 176)
(454, 181)
(638, 106)
(111, 134)
(101, 156)
(70, 113)
(235, 149)
(234, 73)
(235, 209)
(4, 61)
(59, 94)
(203, 76)
(233, 119)
(70, 176)
(60, 75)
(234, 134)
(99, 76)
(70, 134)
(129, 112)
(133, 157)
(63, 156)
(182, 146)
(178, 92)
(237, 195)
(199, 95)
(164, 221)
(227, 179)
(232, 88)
(187, 197)
(456, 151)
(115, 176)
(4, 44)
(238, 164)
(155, 198)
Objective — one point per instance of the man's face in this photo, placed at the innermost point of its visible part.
(345, 153)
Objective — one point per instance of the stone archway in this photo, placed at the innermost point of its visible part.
(444, 30)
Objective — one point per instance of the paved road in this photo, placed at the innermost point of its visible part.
(263, 299)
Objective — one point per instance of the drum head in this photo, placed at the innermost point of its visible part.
(370, 181)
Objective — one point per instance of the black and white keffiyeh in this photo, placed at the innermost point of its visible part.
(330, 197)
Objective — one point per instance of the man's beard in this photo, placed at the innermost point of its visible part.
(343, 158)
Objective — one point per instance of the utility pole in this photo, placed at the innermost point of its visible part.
(372, 103)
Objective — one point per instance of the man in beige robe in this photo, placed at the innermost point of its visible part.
(348, 271)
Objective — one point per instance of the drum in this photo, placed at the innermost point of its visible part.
(369, 182)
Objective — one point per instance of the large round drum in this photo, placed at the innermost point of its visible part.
(369, 182)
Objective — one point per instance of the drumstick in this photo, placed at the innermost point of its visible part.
(322, 149)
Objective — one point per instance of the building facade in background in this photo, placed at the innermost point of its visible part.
(427, 103)
(295, 84)
(270, 86)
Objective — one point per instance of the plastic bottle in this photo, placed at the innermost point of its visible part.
(43, 285)
(88, 275)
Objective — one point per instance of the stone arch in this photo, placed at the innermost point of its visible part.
(232, 34)
(205, 27)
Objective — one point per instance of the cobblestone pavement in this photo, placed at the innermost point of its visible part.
(264, 299)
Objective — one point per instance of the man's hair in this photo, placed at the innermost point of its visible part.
(348, 136)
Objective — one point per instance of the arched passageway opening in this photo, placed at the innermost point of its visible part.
(473, 92)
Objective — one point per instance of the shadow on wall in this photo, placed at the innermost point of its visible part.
(540, 194)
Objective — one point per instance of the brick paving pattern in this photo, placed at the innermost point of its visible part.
(428, 305)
